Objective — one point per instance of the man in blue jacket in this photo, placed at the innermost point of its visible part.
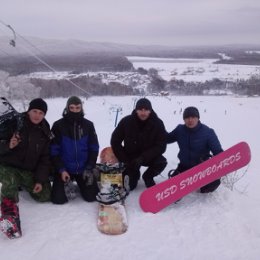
(196, 142)
(74, 152)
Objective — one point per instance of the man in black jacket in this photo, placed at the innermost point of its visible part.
(25, 162)
(74, 151)
(140, 140)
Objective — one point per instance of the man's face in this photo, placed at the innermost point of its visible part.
(191, 121)
(36, 116)
(143, 113)
(75, 108)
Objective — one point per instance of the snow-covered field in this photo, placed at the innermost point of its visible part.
(195, 69)
(223, 225)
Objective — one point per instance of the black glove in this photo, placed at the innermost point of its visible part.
(136, 163)
(88, 177)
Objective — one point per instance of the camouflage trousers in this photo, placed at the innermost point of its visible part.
(12, 178)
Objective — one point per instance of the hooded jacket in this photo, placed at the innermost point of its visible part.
(32, 153)
(134, 138)
(75, 145)
(195, 144)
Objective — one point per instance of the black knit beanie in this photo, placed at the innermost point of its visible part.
(191, 112)
(74, 100)
(38, 103)
(143, 103)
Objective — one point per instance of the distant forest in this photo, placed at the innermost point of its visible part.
(156, 86)
(74, 63)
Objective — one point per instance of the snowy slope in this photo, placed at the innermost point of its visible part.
(223, 225)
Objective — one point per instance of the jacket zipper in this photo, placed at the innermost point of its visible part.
(75, 143)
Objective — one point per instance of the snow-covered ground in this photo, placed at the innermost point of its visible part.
(223, 225)
(198, 70)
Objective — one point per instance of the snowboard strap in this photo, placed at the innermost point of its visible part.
(107, 168)
(113, 195)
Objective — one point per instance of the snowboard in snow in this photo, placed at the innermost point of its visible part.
(9, 117)
(167, 192)
(6, 110)
(112, 219)
(109, 166)
(8, 226)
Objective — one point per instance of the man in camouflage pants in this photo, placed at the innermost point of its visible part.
(24, 162)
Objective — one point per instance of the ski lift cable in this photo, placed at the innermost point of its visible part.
(1, 50)
(53, 70)
(32, 45)
(4, 32)
(24, 39)
(13, 43)
(7, 54)
(7, 35)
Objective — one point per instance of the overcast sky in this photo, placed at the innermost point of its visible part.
(164, 22)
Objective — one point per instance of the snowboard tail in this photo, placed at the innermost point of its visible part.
(9, 227)
(112, 219)
(167, 192)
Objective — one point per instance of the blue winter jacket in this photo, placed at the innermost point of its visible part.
(75, 145)
(195, 144)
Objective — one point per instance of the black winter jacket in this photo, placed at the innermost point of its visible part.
(75, 145)
(141, 138)
(32, 153)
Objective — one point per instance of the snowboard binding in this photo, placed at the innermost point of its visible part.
(112, 193)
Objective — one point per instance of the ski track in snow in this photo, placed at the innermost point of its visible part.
(223, 225)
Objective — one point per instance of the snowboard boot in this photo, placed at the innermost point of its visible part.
(173, 173)
(10, 220)
(210, 187)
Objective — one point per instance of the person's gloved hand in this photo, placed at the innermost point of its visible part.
(88, 177)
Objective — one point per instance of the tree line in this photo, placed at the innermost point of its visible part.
(24, 88)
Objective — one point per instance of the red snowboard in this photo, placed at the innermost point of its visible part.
(167, 192)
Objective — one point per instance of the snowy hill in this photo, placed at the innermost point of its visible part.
(223, 225)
